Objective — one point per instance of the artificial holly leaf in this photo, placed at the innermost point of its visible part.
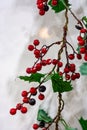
(43, 116)
(83, 123)
(84, 19)
(60, 6)
(59, 85)
(83, 69)
(69, 128)
(33, 77)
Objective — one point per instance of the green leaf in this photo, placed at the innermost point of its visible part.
(60, 6)
(69, 128)
(83, 69)
(83, 123)
(43, 116)
(59, 85)
(84, 19)
(33, 77)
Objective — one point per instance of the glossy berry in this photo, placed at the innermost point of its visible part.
(66, 70)
(41, 124)
(42, 12)
(44, 50)
(24, 110)
(85, 57)
(79, 56)
(48, 61)
(83, 30)
(38, 66)
(54, 2)
(24, 93)
(54, 61)
(82, 50)
(36, 42)
(35, 126)
(79, 38)
(42, 88)
(30, 47)
(77, 75)
(33, 90)
(40, 6)
(37, 52)
(25, 100)
(41, 96)
(33, 70)
(81, 42)
(32, 101)
(67, 76)
(60, 64)
(43, 62)
(18, 106)
(13, 111)
(28, 70)
(71, 56)
(73, 77)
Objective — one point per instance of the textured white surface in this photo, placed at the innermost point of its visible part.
(19, 24)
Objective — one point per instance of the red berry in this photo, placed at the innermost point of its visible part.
(43, 62)
(30, 47)
(83, 30)
(37, 52)
(71, 56)
(42, 12)
(41, 96)
(60, 73)
(40, 6)
(44, 129)
(66, 70)
(77, 75)
(85, 57)
(24, 93)
(18, 106)
(13, 111)
(36, 42)
(33, 90)
(73, 77)
(54, 61)
(28, 70)
(81, 42)
(79, 56)
(82, 50)
(35, 126)
(48, 61)
(60, 64)
(54, 2)
(24, 109)
(79, 38)
(25, 100)
(67, 76)
(38, 66)
(34, 70)
(72, 67)
(44, 50)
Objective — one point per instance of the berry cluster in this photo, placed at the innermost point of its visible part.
(27, 98)
(42, 6)
(40, 125)
(82, 42)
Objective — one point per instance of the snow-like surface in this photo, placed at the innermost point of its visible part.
(18, 23)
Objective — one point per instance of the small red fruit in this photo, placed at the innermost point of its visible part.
(30, 47)
(60, 64)
(24, 110)
(85, 57)
(79, 38)
(82, 50)
(28, 70)
(33, 90)
(81, 42)
(24, 93)
(25, 100)
(79, 56)
(13, 111)
(35, 126)
(83, 30)
(54, 61)
(36, 42)
(54, 2)
(71, 56)
(18, 106)
(41, 12)
(41, 96)
(44, 50)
